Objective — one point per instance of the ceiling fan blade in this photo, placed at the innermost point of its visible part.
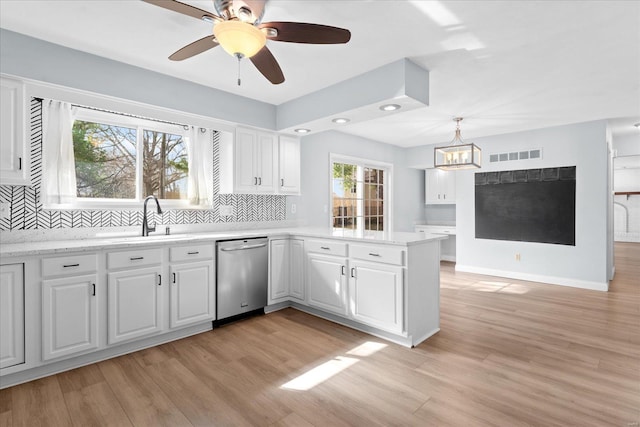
(183, 8)
(300, 32)
(266, 63)
(192, 49)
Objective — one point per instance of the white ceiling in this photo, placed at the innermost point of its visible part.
(504, 66)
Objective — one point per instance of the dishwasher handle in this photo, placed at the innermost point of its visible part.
(241, 248)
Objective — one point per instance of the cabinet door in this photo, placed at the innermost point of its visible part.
(245, 173)
(279, 270)
(431, 186)
(11, 315)
(134, 304)
(448, 186)
(14, 147)
(192, 293)
(266, 160)
(376, 295)
(289, 165)
(326, 283)
(69, 315)
(296, 269)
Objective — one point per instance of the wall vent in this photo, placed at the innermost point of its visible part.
(532, 154)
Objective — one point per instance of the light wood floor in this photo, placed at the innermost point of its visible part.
(509, 353)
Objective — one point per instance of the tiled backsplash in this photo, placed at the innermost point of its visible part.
(26, 212)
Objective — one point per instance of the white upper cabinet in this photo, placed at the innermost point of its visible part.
(289, 165)
(257, 162)
(440, 187)
(14, 149)
(248, 164)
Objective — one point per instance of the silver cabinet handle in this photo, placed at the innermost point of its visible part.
(326, 248)
(94, 289)
(174, 277)
(136, 258)
(260, 180)
(19, 163)
(255, 180)
(282, 182)
(193, 253)
(159, 279)
(343, 270)
(353, 272)
(372, 254)
(71, 265)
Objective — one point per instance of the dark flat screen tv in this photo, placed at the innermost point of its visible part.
(532, 205)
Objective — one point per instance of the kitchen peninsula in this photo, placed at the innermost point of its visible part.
(90, 299)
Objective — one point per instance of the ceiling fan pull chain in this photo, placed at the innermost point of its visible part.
(239, 58)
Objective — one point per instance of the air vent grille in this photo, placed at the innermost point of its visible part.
(532, 154)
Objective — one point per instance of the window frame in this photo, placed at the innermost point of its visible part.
(362, 163)
(140, 125)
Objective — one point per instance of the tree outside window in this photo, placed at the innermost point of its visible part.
(108, 164)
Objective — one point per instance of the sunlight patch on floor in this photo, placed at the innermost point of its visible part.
(320, 374)
(367, 349)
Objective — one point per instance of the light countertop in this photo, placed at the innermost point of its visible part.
(123, 241)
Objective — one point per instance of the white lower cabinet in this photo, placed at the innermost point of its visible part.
(134, 303)
(286, 270)
(11, 315)
(192, 293)
(279, 261)
(69, 315)
(376, 295)
(326, 282)
(296, 270)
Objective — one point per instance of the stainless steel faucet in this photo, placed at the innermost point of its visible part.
(145, 221)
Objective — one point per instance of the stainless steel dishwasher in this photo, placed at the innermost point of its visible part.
(243, 274)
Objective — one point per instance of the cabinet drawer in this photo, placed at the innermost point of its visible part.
(191, 252)
(378, 253)
(435, 229)
(71, 264)
(137, 258)
(327, 247)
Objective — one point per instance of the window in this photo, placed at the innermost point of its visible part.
(122, 158)
(360, 194)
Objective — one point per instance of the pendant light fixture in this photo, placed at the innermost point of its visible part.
(458, 154)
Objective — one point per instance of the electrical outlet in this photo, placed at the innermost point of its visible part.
(517, 257)
(5, 210)
(293, 208)
(226, 210)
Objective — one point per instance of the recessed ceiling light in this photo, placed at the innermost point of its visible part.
(302, 130)
(340, 120)
(389, 107)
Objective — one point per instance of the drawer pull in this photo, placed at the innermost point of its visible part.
(193, 253)
(136, 258)
(159, 279)
(174, 277)
(326, 248)
(94, 289)
(71, 265)
(373, 254)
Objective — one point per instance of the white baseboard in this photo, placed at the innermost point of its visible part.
(562, 281)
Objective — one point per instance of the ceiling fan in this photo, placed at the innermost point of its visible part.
(237, 27)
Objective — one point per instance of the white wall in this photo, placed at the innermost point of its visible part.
(408, 184)
(585, 264)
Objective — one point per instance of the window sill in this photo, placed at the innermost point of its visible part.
(123, 205)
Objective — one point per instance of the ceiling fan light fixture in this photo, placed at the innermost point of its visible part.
(239, 38)
(458, 154)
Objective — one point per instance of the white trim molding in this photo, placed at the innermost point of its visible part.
(552, 280)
